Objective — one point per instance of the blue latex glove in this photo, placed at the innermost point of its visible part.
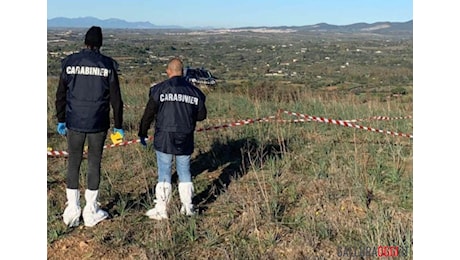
(116, 130)
(143, 141)
(61, 129)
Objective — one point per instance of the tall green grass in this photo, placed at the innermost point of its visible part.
(265, 190)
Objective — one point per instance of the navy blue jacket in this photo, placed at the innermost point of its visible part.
(176, 105)
(88, 85)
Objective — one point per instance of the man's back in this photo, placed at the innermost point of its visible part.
(87, 77)
(180, 105)
(176, 105)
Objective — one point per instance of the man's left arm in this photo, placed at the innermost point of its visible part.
(61, 99)
(116, 101)
(202, 111)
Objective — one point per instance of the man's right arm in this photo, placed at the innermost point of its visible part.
(61, 99)
(147, 118)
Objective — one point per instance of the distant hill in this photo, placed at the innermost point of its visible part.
(378, 27)
(85, 22)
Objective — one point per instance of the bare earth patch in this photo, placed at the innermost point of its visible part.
(80, 245)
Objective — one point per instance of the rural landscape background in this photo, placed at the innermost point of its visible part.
(282, 187)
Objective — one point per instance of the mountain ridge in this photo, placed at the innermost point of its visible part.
(115, 23)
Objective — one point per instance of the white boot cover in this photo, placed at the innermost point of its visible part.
(92, 214)
(186, 194)
(163, 196)
(72, 212)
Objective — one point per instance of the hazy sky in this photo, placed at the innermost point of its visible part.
(237, 13)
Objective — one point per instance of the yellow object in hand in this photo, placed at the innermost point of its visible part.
(116, 138)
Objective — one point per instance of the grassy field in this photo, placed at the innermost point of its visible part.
(264, 190)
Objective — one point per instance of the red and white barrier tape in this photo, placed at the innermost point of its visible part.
(133, 107)
(237, 123)
(386, 118)
(346, 124)
(305, 118)
(55, 153)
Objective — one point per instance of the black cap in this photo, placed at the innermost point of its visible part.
(94, 36)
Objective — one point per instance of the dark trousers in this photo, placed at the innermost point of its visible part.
(76, 144)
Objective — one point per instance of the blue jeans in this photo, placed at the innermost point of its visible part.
(164, 162)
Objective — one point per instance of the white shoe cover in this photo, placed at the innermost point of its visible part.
(163, 196)
(72, 212)
(186, 193)
(92, 214)
(72, 215)
(156, 214)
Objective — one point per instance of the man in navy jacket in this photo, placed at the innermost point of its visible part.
(88, 86)
(175, 105)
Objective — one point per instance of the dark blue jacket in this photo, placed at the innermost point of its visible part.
(176, 105)
(88, 85)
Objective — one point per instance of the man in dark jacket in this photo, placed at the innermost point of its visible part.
(175, 105)
(88, 85)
